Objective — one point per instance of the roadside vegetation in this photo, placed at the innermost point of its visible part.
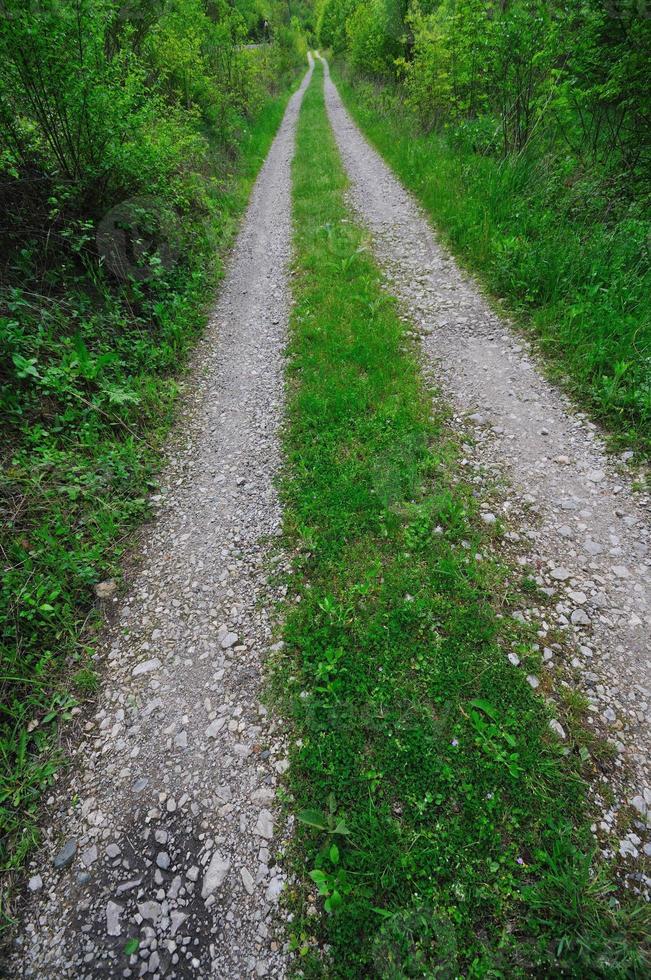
(130, 135)
(524, 129)
(442, 827)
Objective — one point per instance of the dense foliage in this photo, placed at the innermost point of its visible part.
(525, 127)
(129, 136)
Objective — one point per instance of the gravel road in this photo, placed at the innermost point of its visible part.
(164, 829)
(570, 508)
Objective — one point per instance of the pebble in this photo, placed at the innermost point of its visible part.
(146, 667)
(247, 880)
(215, 874)
(580, 617)
(264, 825)
(66, 855)
(113, 912)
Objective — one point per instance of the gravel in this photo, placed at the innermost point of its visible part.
(171, 755)
(571, 507)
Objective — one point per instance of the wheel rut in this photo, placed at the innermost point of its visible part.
(579, 528)
(164, 829)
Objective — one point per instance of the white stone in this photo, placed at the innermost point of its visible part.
(215, 874)
(264, 826)
(145, 667)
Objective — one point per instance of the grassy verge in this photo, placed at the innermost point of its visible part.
(575, 269)
(440, 821)
(88, 398)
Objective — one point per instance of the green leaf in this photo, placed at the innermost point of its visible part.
(334, 854)
(131, 946)
(486, 707)
(333, 902)
(313, 818)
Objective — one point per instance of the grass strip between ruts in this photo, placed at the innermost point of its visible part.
(439, 820)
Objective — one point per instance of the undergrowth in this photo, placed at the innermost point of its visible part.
(572, 265)
(441, 826)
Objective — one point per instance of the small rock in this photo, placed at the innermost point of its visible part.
(264, 826)
(113, 911)
(595, 476)
(640, 805)
(274, 889)
(127, 886)
(578, 597)
(229, 640)
(247, 880)
(150, 911)
(145, 667)
(628, 849)
(560, 573)
(215, 874)
(66, 854)
(35, 883)
(592, 547)
(163, 860)
(215, 727)
(533, 681)
(558, 728)
(89, 856)
(177, 919)
(580, 618)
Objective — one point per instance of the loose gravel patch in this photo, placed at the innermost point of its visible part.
(161, 857)
(580, 529)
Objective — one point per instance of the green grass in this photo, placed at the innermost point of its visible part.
(571, 264)
(439, 820)
(89, 381)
